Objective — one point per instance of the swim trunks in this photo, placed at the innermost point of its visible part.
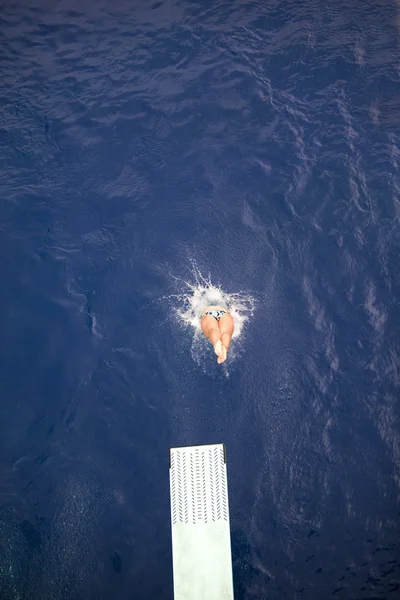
(217, 314)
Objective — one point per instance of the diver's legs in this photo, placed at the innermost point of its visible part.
(209, 327)
(226, 340)
(226, 327)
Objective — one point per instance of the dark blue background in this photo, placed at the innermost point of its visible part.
(262, 141)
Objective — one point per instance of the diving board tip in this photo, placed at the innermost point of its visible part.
(201, 545)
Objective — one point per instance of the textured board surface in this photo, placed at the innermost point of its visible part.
(200, 523)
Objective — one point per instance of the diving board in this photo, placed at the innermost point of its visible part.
(201, 543)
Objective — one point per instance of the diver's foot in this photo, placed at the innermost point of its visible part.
(218, 348)
(223, 356)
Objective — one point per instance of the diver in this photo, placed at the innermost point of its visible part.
(217, 325)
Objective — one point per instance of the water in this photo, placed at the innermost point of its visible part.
(153, 154)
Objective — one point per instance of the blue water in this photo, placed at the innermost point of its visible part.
(255, 143)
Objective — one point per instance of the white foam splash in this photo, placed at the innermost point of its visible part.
(201, 292)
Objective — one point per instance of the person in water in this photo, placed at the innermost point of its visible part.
(217, 325)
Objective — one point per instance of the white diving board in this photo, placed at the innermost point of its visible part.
(201, 543)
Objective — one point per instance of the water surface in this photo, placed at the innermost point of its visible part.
(255, 143)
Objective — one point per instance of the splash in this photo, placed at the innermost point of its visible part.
(199, 293)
